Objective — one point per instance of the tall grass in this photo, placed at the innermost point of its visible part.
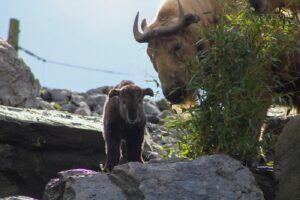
(237, 77)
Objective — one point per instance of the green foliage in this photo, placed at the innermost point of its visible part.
(56, 106)
(153, 80)
(236, 77)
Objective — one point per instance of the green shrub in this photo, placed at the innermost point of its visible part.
(56, 106)
(236, 77)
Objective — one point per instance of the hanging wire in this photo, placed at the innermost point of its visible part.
(44, 60)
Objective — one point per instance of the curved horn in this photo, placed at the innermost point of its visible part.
(141, 37)
(137, 34)
(183, 21)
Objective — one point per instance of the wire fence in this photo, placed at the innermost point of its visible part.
(44, 60)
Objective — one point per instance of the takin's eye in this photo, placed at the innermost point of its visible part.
(176, 49)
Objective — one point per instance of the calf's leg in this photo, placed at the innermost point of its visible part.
(112, 154)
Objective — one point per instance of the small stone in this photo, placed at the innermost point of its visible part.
(150, 109)
(163, 104)
(69, 107)
(43, 105)
(95, 101)
(83, 109)
(45, 94)
(76, 98)
(58, 95)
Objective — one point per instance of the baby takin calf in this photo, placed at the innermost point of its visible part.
(124, 119)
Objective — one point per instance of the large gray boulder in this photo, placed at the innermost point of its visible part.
(18, 87)
(36, 144)
(150, 108)
(287, 161)
(208, 177)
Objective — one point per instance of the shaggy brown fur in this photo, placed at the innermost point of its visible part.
(124, 119)
(270, 5)
(171, 55)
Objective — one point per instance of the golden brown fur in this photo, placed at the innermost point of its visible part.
(171, 64)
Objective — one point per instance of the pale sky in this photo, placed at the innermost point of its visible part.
(91, 33)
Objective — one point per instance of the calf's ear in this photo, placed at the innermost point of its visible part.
(148, 91)
(114, 92)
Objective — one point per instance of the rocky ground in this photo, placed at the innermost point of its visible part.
(64, 132)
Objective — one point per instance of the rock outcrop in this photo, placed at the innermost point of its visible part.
(18, 87)
(36, 144)
(208, 177)
(287, 161)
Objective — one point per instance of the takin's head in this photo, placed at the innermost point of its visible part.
(131, 102)
(171, 47)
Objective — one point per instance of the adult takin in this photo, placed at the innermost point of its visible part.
(124, 120)
(174, 40)
(171, 42)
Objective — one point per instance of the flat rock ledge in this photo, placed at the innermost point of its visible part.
(36, 144)
(209, 177)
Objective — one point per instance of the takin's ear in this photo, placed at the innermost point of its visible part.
(114, 92)
(148, 91)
